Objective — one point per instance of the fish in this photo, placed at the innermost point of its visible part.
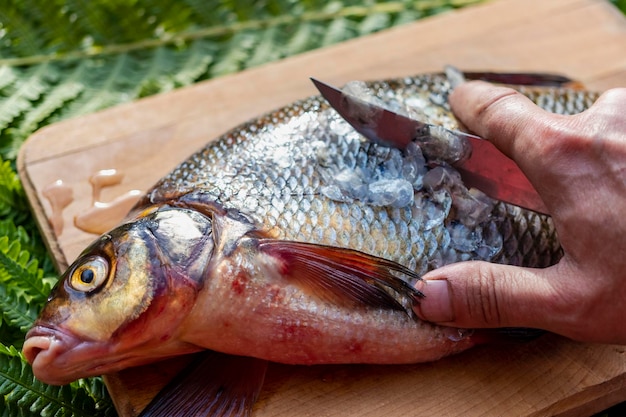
(290, 239)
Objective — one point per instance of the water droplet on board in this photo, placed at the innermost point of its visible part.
(103, 216)
(59, 195)
(102, 179)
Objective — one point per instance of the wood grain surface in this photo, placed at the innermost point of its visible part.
(584, 39)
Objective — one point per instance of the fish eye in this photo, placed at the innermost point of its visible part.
(90, 274)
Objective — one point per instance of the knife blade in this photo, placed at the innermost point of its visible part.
(482, 166)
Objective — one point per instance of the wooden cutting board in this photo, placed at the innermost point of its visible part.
(585, 39)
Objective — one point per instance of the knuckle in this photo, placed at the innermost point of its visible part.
(498, 97)
(483, 302)
(506, 115)
(613, 96)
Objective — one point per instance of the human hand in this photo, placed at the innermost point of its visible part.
(578, 165)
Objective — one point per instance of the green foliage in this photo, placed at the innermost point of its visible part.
(12, 199)
(22, 395)
(65, 58)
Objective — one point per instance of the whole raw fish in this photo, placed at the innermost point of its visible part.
(289, 239)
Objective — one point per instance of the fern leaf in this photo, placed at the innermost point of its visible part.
(22, 289)
(25, 396)
(7, 77)
(374, 22)
(196, 62)
(12, 198)
(36, 81)
(303, 38)
(239, 49)
(16, 313)
(268, 48)
(29, 241)
(405, 16)
(339, 30)
(107, 82)
(22, 286)
(18, 268)
(54, 100)
(157, 75)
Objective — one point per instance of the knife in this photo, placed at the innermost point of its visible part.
(483, 166)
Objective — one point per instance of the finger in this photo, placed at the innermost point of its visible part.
(503, 116)
(559, 299)
(484, 295)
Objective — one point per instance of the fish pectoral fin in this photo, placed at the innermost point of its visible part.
(214, 384)
(345, 276)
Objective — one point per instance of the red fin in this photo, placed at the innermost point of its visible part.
(214, 384)
(520, 78)
(343, 275)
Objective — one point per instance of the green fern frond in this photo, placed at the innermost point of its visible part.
(180, 23)
(266, 49)
(195, 63)
(23, 395)
(12, 199)
(22, 286)
(8, 76)
(29, 240)
(56, 97)
(17, 316)
(22, 271)
(34, 82)
(123, 50)
(239, 49)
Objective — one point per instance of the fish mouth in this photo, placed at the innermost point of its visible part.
(58, 357)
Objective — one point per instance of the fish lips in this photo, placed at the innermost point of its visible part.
(58, 357)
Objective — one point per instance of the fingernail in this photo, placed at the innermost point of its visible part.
(437, 305)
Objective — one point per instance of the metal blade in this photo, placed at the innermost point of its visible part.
(376, 123)
(498, 176)
(485, 168)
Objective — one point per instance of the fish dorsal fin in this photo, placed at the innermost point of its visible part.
(213, 385)
(523, 78)
(344, 276)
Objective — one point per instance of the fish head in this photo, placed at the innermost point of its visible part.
(121, 302)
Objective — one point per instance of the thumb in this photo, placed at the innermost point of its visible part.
(481, 295)
(505, 117)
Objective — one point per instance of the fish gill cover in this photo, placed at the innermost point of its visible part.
(63, 58)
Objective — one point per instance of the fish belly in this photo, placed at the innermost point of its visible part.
(255, 311)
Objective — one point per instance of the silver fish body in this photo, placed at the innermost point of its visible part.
(290, 239)
(304, 174)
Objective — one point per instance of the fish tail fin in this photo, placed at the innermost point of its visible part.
(345, 276)
(214, 384)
